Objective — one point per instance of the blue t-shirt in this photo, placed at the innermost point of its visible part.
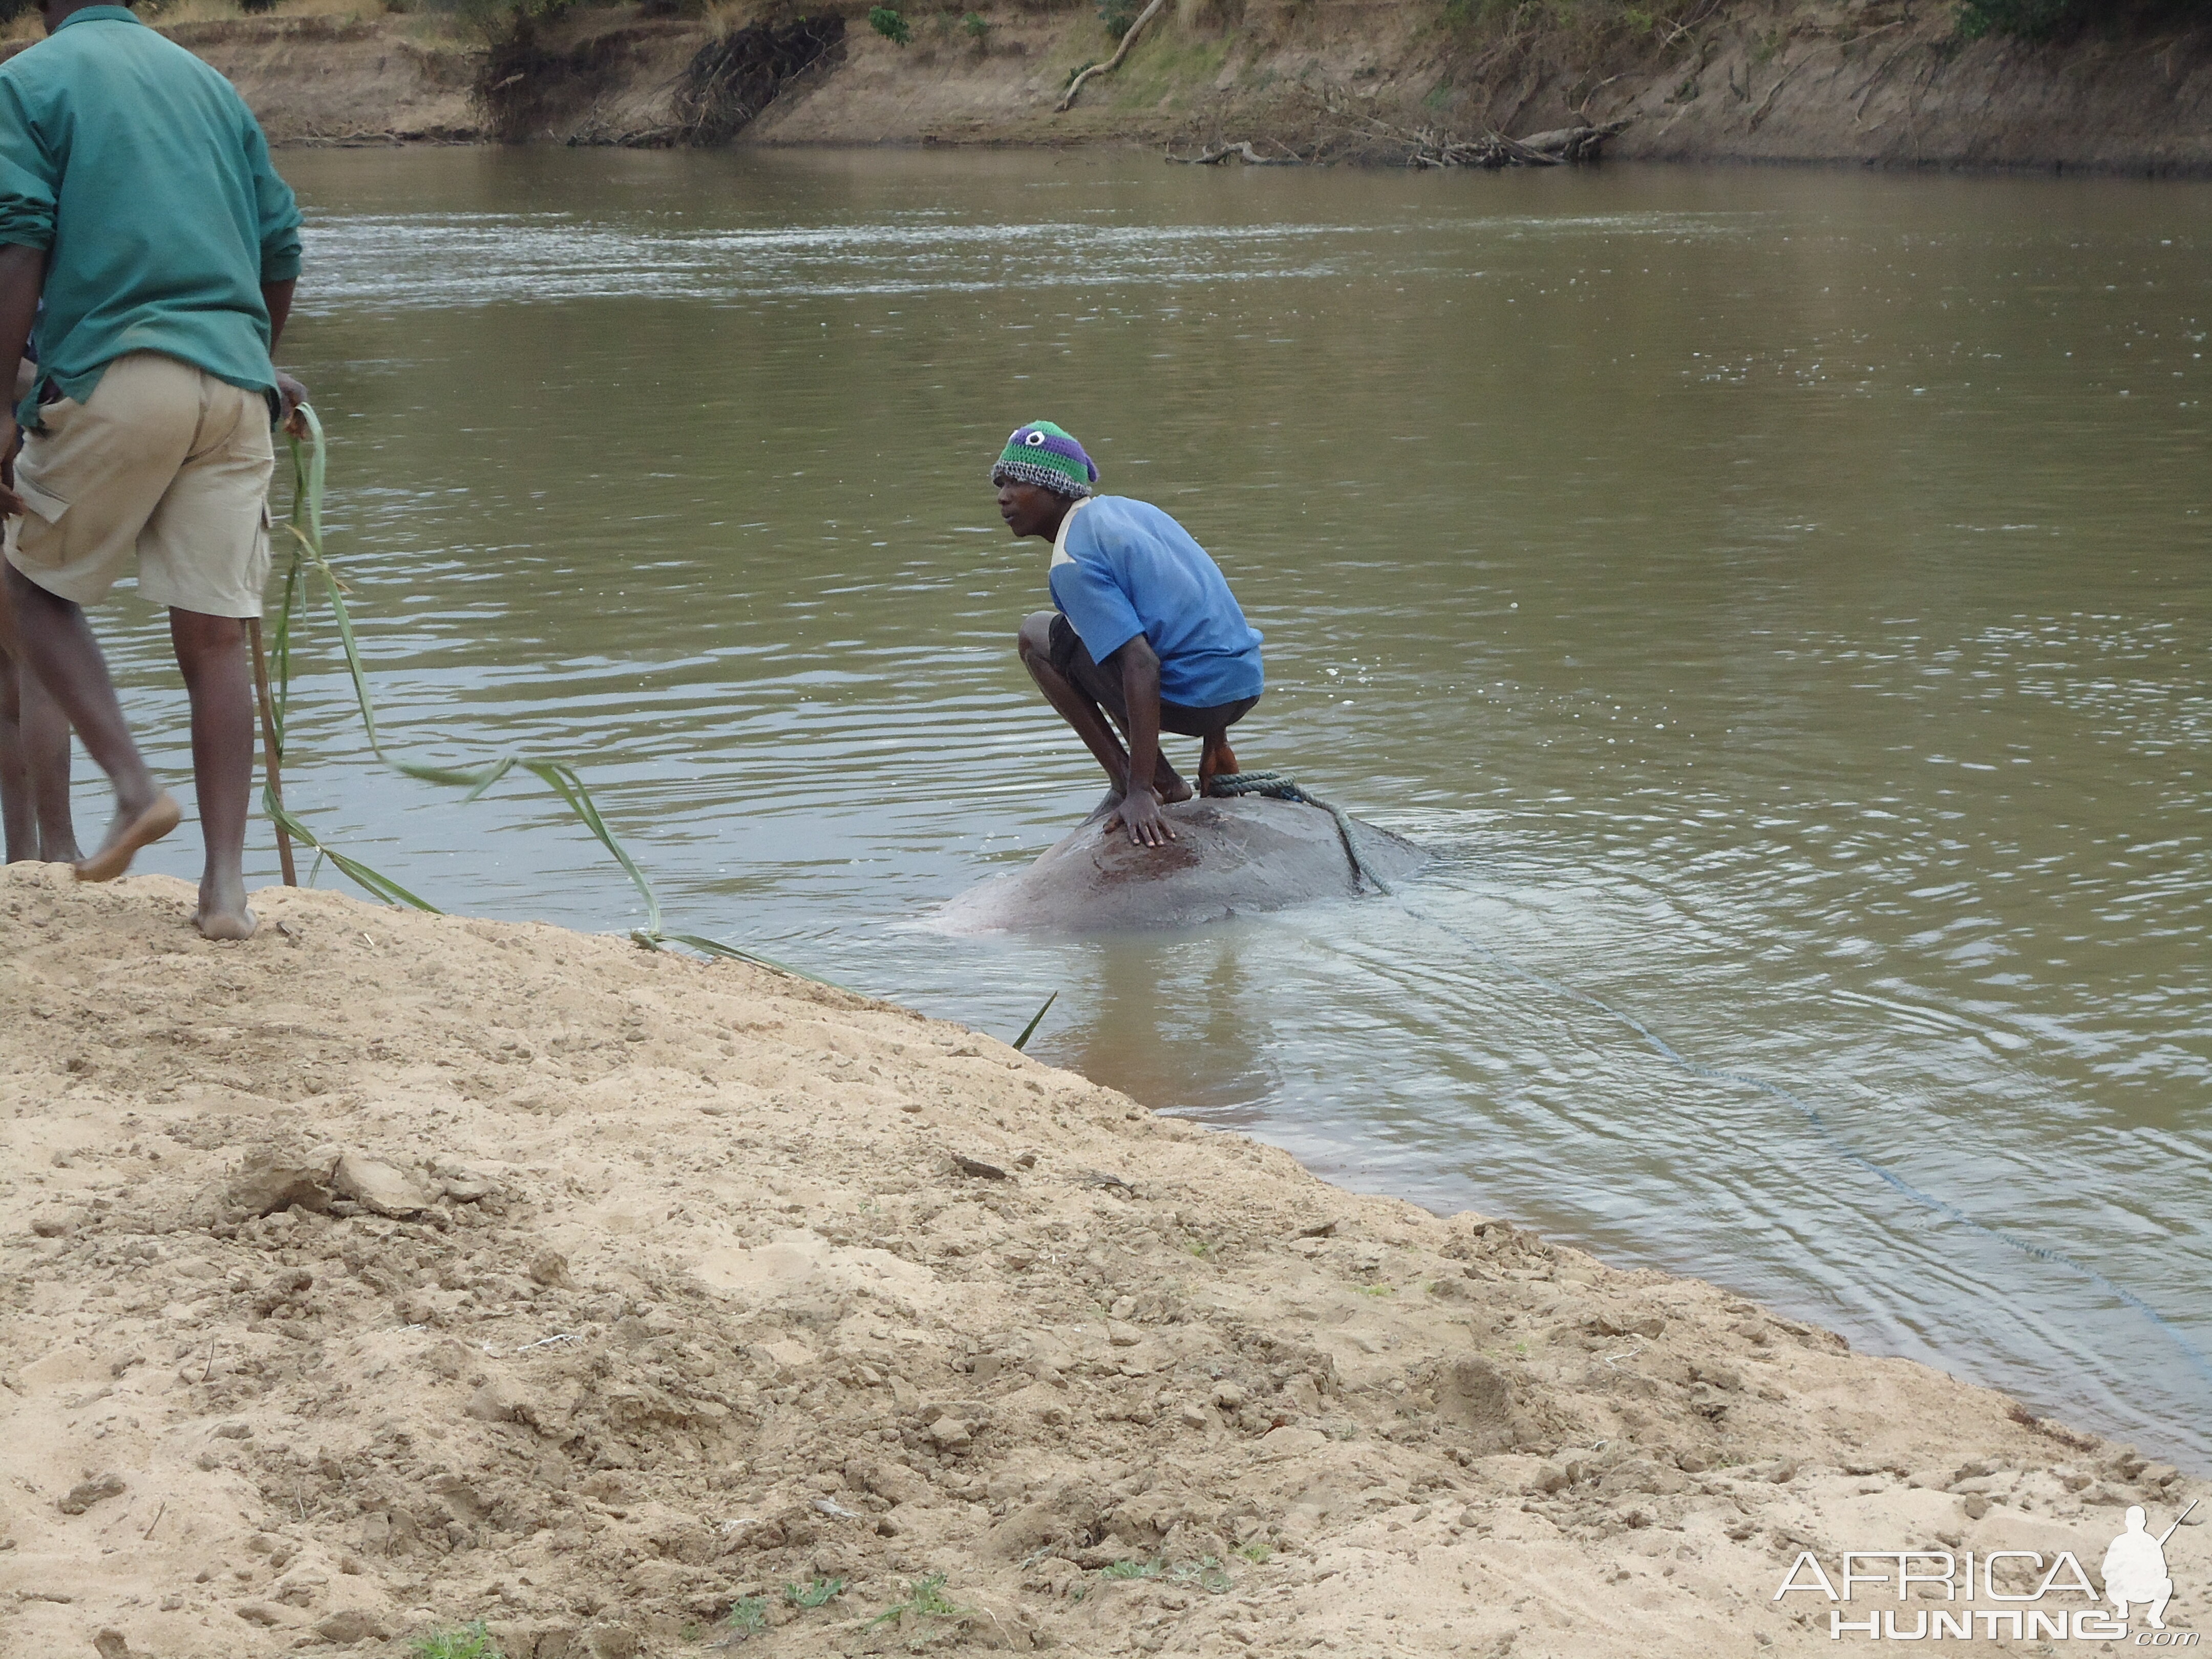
(1121, 568)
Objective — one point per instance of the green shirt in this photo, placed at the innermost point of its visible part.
(145, 177)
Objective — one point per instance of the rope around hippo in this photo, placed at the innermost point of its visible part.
(1281, 786)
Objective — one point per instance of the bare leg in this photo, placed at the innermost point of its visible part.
(211, 652)
(1077, 710)
(46, 758)
(17, 811)
(59, 644)
(1090, 722)
(1214, 759)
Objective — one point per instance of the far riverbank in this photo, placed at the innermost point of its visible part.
(1884, 83)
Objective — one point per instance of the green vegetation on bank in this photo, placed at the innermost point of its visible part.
(2025, 20)
(1588, 20)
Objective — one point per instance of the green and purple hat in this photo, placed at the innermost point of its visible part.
(1043, 454)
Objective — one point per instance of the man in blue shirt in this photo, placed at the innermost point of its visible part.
(1145, 629)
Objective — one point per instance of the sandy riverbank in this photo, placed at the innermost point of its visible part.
(648, 1287)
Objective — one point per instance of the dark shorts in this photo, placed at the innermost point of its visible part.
(1072, 658)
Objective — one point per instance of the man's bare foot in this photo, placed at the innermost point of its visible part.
(1107, 803)
(1167, 782)
(131, 830)
(60, 852)
(226, 924)
(223, 914)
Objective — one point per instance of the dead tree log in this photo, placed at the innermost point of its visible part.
(1424, 148)
(1114, 63)
(1215, 154)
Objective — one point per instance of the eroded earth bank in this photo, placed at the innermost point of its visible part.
(1887, 82)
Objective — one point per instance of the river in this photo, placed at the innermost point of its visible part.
(1780, 598)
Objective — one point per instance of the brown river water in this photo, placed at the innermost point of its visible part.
(1781, 599)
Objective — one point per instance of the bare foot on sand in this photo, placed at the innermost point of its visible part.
(224, 914)
(133, 828)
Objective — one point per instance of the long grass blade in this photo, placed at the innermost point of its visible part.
(1036, 1020)
(373, 881)
(714, 947)
(564, 783)
(305, 524)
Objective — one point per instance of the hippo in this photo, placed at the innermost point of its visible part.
(1230, 857)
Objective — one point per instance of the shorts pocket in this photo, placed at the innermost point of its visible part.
(43, 503)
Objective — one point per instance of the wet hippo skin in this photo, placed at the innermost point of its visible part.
(1229, 858)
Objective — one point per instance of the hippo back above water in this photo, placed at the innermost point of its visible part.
(1233, 857)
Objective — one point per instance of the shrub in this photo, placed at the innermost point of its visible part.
(1118, 15)
(889, 24)
(469, 1642)
(2028, 20)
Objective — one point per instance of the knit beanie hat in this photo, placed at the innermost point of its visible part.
(1042, 453)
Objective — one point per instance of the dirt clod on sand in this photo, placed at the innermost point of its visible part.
(393, 1271)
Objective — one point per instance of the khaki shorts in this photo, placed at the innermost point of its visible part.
(164, 463)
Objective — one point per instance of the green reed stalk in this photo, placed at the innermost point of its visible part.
(305, 524)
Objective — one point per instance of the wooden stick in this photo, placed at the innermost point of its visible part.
(1114, 63)
(269, 756)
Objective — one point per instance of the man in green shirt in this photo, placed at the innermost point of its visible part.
(137, 200)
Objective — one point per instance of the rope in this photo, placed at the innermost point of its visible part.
(1281, 786)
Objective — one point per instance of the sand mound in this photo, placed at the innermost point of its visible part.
(390, 1271)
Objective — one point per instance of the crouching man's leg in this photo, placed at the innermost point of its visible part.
(1215, 759)
(1078, 703)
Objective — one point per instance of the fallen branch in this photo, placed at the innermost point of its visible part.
(1562, 146)
(1219, 153)
(1767, 103)
(1114, 62)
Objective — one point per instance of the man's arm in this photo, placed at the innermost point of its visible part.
(1140, 690)
(290, 393)
(23, 278)
(277, 296)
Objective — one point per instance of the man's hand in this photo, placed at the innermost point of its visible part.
(293, 394)
(1140, 811)
(11, 504)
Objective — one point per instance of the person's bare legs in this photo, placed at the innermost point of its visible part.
(19, 815)
(211, 652)
(57, 643)
(47, 758)
(34, 760)
(1089, 720)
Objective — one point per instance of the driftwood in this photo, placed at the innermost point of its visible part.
(1423, 148)
(1215, 154)
(1128, 40)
